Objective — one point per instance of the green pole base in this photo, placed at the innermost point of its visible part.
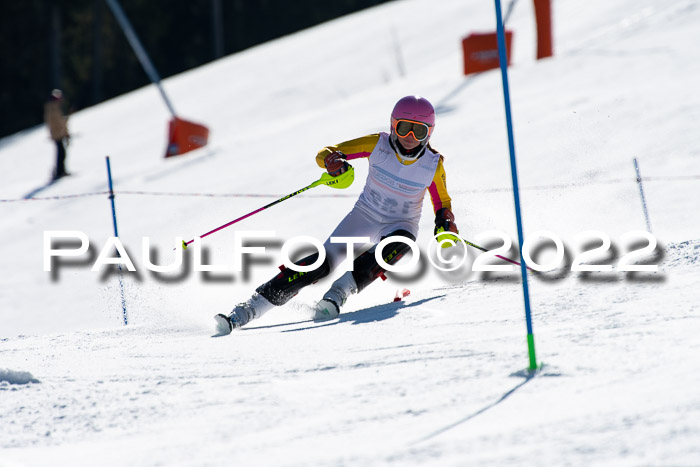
(531, 351)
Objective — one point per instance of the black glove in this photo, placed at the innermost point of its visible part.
(335, 163)
(445, 221)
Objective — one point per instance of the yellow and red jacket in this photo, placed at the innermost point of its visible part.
(376, 146)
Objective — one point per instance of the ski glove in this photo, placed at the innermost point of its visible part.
(335, 163)
(445, 227)
(445, 219)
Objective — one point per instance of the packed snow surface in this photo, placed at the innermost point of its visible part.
(436, 379)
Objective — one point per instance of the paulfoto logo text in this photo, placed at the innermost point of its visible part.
(639, 246)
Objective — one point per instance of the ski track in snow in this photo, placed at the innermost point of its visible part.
(105, 388)
(437, 379)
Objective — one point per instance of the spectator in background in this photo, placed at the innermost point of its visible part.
(58, 127)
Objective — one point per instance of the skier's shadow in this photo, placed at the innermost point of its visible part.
(365, 315)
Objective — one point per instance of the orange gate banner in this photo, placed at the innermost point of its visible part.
(481, 51)
(543, 17)
(184, 136)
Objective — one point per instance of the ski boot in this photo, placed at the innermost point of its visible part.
(242, 313)
(337, 295)
(226, 324)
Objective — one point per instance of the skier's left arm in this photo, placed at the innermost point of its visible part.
(442, 205)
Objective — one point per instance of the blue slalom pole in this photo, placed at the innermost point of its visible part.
(116, 234)
(514, 174)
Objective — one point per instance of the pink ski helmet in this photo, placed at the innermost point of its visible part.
(415, 109)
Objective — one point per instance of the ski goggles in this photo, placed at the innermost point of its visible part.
(420, 130)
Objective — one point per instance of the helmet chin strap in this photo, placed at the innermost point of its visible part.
(404, 155)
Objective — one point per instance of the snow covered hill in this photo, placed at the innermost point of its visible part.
(434, 380)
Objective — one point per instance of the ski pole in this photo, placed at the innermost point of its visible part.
(441, 231)
(497, 256)
(341, 181)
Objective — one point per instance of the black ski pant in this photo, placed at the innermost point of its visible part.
(60, 159)
(285, 285)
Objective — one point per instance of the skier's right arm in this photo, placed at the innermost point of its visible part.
(353, 149)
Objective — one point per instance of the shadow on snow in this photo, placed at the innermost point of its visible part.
(365, 315)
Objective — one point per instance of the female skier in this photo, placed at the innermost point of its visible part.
(402, 167)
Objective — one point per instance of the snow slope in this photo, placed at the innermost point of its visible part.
(435, 380)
